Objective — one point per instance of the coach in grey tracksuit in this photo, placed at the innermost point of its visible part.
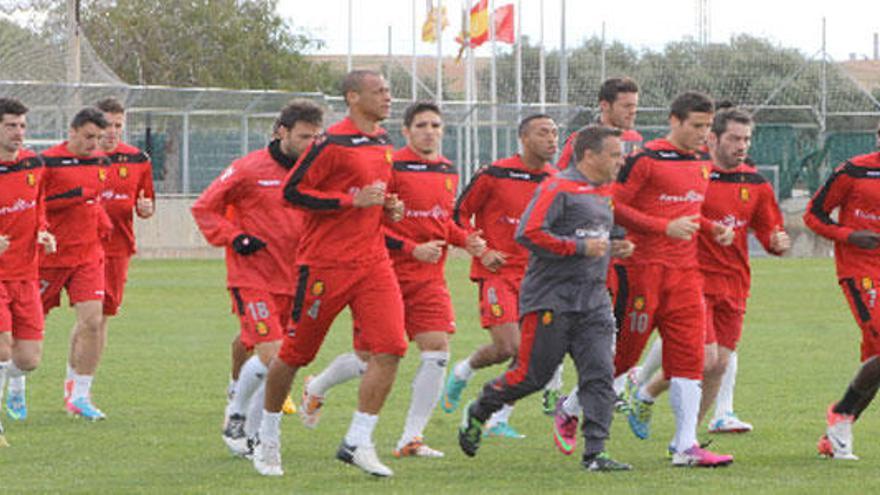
(564, 303)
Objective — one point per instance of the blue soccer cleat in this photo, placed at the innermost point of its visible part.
(84, 408)
(16, 406)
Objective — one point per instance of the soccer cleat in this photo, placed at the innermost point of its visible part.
(288, 407)
(310, 407)
(621, 405)
(838, 436)
(565, 429)
(363, 457)
(699, 457)
(469, 433)
(16, 407)
(639, 417)
(252, 444)
(267, 459)
(452, 393)
(729, 423)
(417, 448)
(84, 408)
(548, 401)
(604, 463)
(503, 430)
(234, 436)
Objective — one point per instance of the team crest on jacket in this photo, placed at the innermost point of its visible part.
(102, 174)
(497, 310)
(317, 288)
(450, 186)
(547, 318)
(262, 329)
(31, 179)
(744, 194)
(705, 170)
(867, 283)
(388, 155)
(123, 172)
(639, 303)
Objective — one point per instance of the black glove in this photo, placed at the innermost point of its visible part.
(245, 244)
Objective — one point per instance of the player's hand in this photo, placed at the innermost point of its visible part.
(683, 228)
(145, 207)
(596, 247)
(372, 195)
(4, 243)
(429, 252)
(622, 248)
(723, 235)
(474, 244)
(393, 207)
(865, 239)
(47, 240)
(779, 241)
(493, 260)
(245, 244)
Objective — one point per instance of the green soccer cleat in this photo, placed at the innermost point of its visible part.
(469, 433)
(604, 463)
(452, 393)
(548, 402)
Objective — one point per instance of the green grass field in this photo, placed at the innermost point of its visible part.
(163, 378)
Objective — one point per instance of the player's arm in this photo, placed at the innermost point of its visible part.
(827, 198)
(145, 206)
(471, 199)
(303, 185)
(209, 210)
(397, 242)
(44, 237)
(567, 150)
(767, 222)
(535, 228)
(630, 180)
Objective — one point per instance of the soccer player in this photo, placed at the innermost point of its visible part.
(496, 198)
(740, 198)
(341, 186)
(426, 182)
(658, 197)
(22, 230)
(76, 175)
(243, 211)
(854, 188)
(563, 299)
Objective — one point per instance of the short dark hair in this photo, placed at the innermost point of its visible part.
(691, 101)
(300, 110)
(526, 122)
(616, 85)
(354, 81)
(89, 115)
(419, 107)
(12, 106)
(728, 115)
(592, 137)
(110, 105)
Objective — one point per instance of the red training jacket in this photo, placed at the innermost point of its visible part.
(130, 173)
(22, 215)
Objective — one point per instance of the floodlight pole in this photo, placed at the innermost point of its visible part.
(74, 61)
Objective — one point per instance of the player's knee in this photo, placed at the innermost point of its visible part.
(28, 362)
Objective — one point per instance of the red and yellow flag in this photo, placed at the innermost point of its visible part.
(429, 27)
(479, 32)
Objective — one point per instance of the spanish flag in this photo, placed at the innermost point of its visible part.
(428, 28)
(504, 31)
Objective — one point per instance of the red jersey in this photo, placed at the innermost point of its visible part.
(246, 199)
(496, 198)
(130, 173)
(323, 184)
(739, 198)
(22, 215)
(855, 188)
(630, 141)
(656, 185)
(73, 191)
(427, 189)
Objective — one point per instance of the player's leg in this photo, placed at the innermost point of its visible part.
(343, 368)
(85, 289)
(427, 385)
(724, 402)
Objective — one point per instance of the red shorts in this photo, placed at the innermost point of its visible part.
(372, 293)
(671, 300)
(724, 320)
(264, 316)
(83, 282)
(21, 311)
(862, 295)
(499, 301)
(115, 276)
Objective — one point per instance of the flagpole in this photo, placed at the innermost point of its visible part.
(542, 89)
(519, 85)
(493, 92)
(414, 88)
(563, 61)
(438, 33)
(466, 38)
(348, 64)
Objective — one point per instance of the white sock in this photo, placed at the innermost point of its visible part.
(344, 368)
(255, 412)
(463, 370)
(16, 378)
(500, 416)
(619, 384)
(270, 427)
(684, 397)
(70, 372)
(360, 432)
(724, 401)
(252, 376)
(4, 366)
(82, 385)
(652, 362)
(555, 383)
(572, 406)
(427, 387)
